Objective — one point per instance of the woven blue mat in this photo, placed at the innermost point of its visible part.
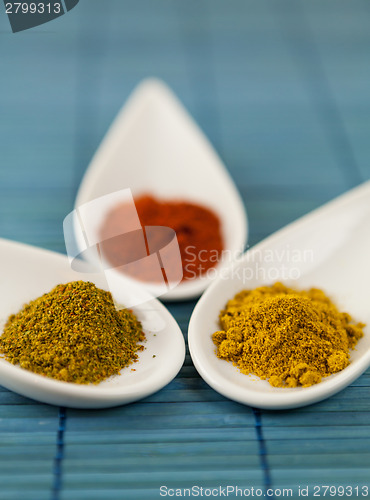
(281, 88)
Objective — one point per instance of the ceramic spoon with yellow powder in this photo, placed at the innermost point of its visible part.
(285, 346)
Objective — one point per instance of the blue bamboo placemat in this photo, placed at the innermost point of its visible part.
(281, 88)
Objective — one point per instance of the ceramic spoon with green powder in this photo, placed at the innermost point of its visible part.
(28, 273)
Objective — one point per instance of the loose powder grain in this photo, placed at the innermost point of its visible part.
(74, 333)
(291, 338)
(198, 231)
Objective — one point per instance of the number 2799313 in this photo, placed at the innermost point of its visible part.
(33, 8)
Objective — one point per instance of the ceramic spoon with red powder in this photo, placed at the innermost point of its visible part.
(155, 151)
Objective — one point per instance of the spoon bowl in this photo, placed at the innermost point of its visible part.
(29, 272)
(155, 147)
(327, 249)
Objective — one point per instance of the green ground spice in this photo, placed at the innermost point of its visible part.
(291, 338)
(73, 333)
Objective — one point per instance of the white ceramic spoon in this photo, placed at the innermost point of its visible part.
(328, 249)
(26, 273)
(155, 147)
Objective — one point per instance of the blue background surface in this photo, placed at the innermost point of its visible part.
(282, 90)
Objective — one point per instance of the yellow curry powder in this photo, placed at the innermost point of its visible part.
(291, 338)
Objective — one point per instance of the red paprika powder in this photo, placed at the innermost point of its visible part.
(198, 231)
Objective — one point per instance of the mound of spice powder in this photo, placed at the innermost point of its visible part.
(73, 333)
(198, 231)
(291, 338)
